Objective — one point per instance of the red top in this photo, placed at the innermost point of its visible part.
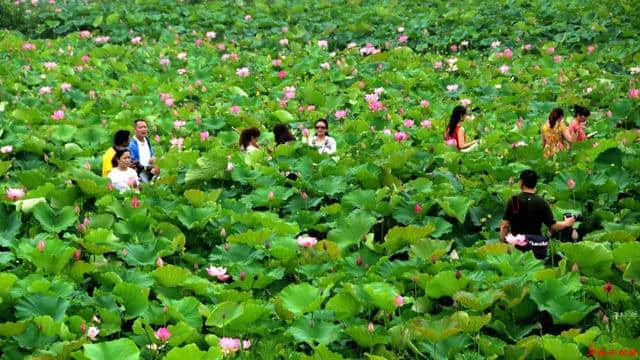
(578, 128)
(455, 136)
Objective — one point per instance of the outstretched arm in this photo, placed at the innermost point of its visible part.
(463, 144)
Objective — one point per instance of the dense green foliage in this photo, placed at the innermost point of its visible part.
(397, 212)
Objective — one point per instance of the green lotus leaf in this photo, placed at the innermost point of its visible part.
(399, 237)
(39, 304)
(53, 258)
(4, 167)
(626, 252)
(100, 241)
(54, 220)
(351, 229)
(361, 335)
(478, 301)
(313, 331)
(10, 222)
(190, 352)
(171, 275)
(182, 333)
(381, 295)
(430, 249)
(553, 296)
(123, 349)
(344, 305)
(199, 198)
(331, 185)
(444, 283)
(283, 116)
(186, 309)
(632, 273)
(560, 349)
(439, 330)
(192, 217)
(321, 352)
(223, 313)
(594, 259)
(133, 297)
(456, 206)
(301, 298)
(13, 328)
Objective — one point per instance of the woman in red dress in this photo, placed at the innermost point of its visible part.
(454, 134)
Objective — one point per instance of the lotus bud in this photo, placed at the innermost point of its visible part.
(398, 300)
(417, 209)
(267, 245)
(226, 246)
(229, 166)
(458, 274)
(414, 279)
(242, 275)
(159, 262)
(359, 260)
(605, 319)
(433, 259)
(223, 233)
(454, 255)
(608, 287)
(583, 279)
(135, 203)
(304, 196)
(371, 328)
(125, 252)
(366, 266)
(270, 196)
(77, 254)
(575, 268)
(40, 246)
(165, 309)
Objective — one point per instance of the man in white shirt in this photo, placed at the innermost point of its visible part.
(142, 152)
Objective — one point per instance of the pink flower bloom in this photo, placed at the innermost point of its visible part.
(323, 43)
(634, 93)
(571, 183)
(588, 90)
(182, 71)
(40, 246)
(504, 69)
(28, 46)
(495, 44)
(310, 107)
(15, 193)
(242, 72)
(340, 114)
(371, 328)
(609, 113)
(305, 132)
(424, 103)
(369, 49)
(224, 57)
(50, 65)
(557, 58)
(246, 344)
(234, 56)
(408, 123)
(92, 333)
(306, 241)
(179, 123)
(162, 334)
(452, 88)
(182, 56)
(169, 102)
(135, 203)
(221, 46)
(437, 65)
(64, 87)
(157, 138)
(282, 74)
(198, 42)
(58, 115)
(417, 209)
(371, 97)
(6, 149)
(235, 109)
(591, 49)
(229, 345)
(284, 42)
(247, 17)
(211, 35)
(285, 29)
(465, 102)
(165, 61)
(508, 53)
(204, 135)
(276, 62)
(159, 262)
(398, 300)
(136, 40)
(85, 58)
(400, 136)
(325, 66)
(177, 142)
(527, 47)
(375, 106)
(454, 47)
(85, 34)
(270, 195)
(289, 92)
(454, 255)
(101, 39)
(519, 240)
(550, 50)
(426, 124)
(45, 90)
(400, 29)
(214, 271)
(499, 54)
(403, 38)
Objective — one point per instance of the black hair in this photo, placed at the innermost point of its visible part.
(580, 111)
(326, 124)
(555, 115)
(121, 137)
(456, 115)
(529, 178)
(246, 135)
(117, 156)
(136, 121)
(282, 134)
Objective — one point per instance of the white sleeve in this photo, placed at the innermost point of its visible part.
(331, 146)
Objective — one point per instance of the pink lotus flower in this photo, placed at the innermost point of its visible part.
(229, 167)
(605, 319)
(504, 69)
(369, 49)
(246, 344)
(234, 56)
(101, 39)
(375, 106)
(177, 142)
(45, 90)
(135, 203)
(165, 61)
(424, 103)
(417, 209)
(323, 43)
(454, 47)
(408, 123)
(204, 135)
(508, 53)
(242, 72)
(179, 124)
(198, 42)
(77, 255)
(50, 65)
(454, 255)
(571, 184)
(634, 93)
(64, 87)
(403, 38)
(6, 149)
(211, 35)
(452, 88)
(499, 54)
(247, 17)
(40, 246)
(304, 195)
(162, 334)
(92, 333)
(182, 56)
(85, 34)
(519, 240)
(85, 58)
(285, 29)
(400, 136)
(305, 132)
(169, 102)
(221, 46)
(588, 90)
(550, 50)
(438, 65)
(591, 49)
(465, 102)
(371, 97)
(182, 71)
(136, 40)
(426, 124)
(527, 47)
(340, 114)
(58, 115)
(276, 62)
(557, 58)
(235, 109)
(229, 345)
(159, 262)
(28, 47)
(386, 131)
(306, 241)
(284, 42)
(495, 44)
(325, 66)
(398, 300)
(223, 233)
(289, 92)
(214, 271)
(609, 113)
(370, 328)
(270, 195)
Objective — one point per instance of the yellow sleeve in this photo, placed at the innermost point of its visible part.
(106, 162)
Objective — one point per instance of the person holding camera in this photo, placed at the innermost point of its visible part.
(524, 215)
(142, 154)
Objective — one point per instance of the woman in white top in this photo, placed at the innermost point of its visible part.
(123, 177)
(249, 139)
(325, 143)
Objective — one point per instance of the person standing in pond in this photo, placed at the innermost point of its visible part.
(576, 128)
(120, 141)
(142, 154)
(524, 215)
(454, 134)
(556, 136)
(249, 139)
(321, 140)
(282, 135)
(122, 176)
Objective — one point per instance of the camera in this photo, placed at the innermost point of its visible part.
(570, 234)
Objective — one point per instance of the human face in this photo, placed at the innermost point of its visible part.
(321, 128)
(582, 118)
(124, 161)
(140, 130)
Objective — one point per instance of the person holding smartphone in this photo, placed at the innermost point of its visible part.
(580, 116)
(455, 134)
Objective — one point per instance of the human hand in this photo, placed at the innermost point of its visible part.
(152, 160)
(155, 170)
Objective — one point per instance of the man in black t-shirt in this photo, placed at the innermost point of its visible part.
(526, 212)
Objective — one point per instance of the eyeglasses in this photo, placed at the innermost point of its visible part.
(320, 127)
